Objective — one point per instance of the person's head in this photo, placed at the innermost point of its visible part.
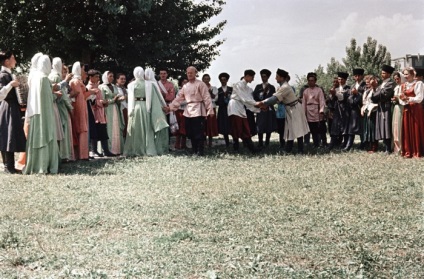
(182, 80)
(335, 82)
(374, 81)
(65, 71)
(397, 78)
(419, 74)
(281, 76)
(121, 79)
(7, 59)
(265, 74)
(386, 71)
(342, 77)
(367, 79)
(110, 77)
(206, 78)
(358, 74)
(249, 75)
(191, 73)
(163, 74)
(409, 74)
(312, 79)
(223, 78)
(93, 76)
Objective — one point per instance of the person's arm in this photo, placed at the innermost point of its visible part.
(204, 92)
(384, 93)
(5, 89)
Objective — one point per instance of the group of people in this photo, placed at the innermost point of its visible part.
(79, 113)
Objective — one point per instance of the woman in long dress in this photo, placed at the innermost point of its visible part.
(42, 148)
(413, 114)
(115, 119)
(147, 132)
(397, 115)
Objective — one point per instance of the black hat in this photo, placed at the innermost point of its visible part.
(265, 72)
(311, 75)
(419, 72)
(388, 69)
(343, 75)
(358, 71)
(224, 75)
(282, 73)
(249, 73)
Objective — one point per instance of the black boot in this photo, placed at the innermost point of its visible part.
(289, 146)
(260, 140)
(349, 143)
(387, 146)
(249, 144)
(300, 146)
(93, 148)
(106, 150)
(9, 162)
(236, 144)
(332, 143)
(227, 140)
(267, 139)
(201, 148)
(282, 141)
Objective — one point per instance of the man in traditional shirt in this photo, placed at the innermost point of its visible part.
(313, 104)
(242, 99)
(338, 100)
(121, 79)
(354, 104)
(199, 106)
(296, 126)
(12, 137)
(382, 96)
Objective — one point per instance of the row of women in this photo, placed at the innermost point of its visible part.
(65, 118)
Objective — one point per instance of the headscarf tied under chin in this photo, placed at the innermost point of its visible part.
(57, 67)
(150, 84)
(76, 70)
(138, 75)
(105, 80)
(43, 69)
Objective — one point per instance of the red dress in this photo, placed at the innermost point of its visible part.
(412, 126)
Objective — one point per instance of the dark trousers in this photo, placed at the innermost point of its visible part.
(195, 131)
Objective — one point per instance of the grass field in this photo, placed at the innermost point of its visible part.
(336, 215)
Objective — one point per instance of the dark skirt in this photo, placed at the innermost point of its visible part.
(369, 127)
(266, 121)
(212, 125)
(12, 137)
(101, 132)
(179, 114)
(223, 121)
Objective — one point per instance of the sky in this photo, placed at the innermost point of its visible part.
(299, 35)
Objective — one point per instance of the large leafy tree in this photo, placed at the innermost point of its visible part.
(117, 35)
(370, 57)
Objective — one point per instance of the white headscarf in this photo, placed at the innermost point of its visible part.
(57, 66)
(33, 68)
(139, 75)
(150, 83)
(43, 69)
(104, 77)
(76, 70)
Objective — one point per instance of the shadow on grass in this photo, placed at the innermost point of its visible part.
(94, 167)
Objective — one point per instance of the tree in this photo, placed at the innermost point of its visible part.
(114, 35)
(371, 58)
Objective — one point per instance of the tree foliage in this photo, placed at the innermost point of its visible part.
(116, 35)
(370, 57)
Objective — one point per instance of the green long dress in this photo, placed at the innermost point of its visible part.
(147, 132)
(42, 150)
(115, 120)
(64, 105)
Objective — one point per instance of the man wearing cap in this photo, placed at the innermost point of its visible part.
(224, 94)
(338, 100)
(354, 104)
(265, 120)
(382, 96)
(241, 99)
(296, 125)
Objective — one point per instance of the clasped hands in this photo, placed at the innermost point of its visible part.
(261, 105)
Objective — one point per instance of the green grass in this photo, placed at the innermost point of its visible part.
(336, 215)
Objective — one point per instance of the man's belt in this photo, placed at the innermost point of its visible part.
(292, 104)
(140, 99)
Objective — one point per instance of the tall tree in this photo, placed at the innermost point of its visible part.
(117, 35)
(370, 57)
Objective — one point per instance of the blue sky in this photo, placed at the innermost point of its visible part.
(299, 35)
